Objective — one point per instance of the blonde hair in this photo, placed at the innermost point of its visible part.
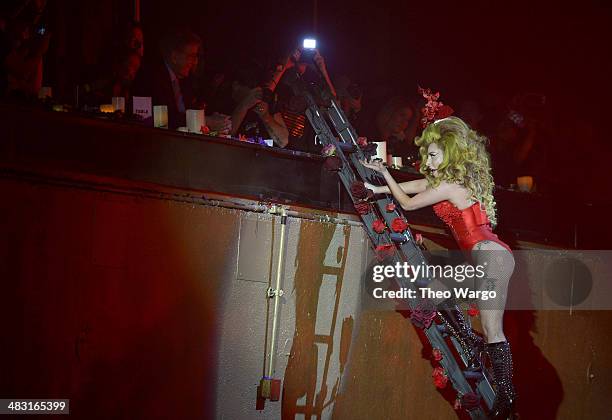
(466, 161)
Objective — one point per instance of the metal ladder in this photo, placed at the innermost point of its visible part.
(321, 108)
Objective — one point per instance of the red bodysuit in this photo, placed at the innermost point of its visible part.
(469, 226)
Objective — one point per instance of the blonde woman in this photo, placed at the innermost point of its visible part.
(458, 184)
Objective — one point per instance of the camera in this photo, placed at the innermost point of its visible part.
(267, 96)
(309, 46)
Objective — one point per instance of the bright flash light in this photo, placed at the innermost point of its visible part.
(310, 44)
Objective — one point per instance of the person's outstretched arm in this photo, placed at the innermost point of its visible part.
(425, 198)
(409, 187)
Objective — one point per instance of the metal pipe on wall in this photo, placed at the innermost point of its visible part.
(270, 387)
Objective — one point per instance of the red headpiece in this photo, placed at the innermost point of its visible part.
(433, 109)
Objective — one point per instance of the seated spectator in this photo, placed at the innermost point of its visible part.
(134, 38)
(349, 97)
(119, 83)
(518, 145)
(254, 113)
(397, 123)
(170, 83)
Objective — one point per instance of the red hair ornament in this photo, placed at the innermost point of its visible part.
(433, 109)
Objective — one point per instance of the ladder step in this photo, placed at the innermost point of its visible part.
(472, 374)
(398, 238)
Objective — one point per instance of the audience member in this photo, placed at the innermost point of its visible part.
(349, 97)
(170, 83)
(119, 82)
(254, 114)
(134, 38)
(24, 61)
(397, 124)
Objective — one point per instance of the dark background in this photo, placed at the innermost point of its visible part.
(465, 49)
(476, 50)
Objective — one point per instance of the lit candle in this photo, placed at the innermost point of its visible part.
(107, 108)
(525, 183)
(160, 116)
(381, 150)
(195, 120)
(119, 103)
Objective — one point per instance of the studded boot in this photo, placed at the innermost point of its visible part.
(457, 325)
(501, 364)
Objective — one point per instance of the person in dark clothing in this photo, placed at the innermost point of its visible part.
(170, 82)
(254, 113)
(396, 123)
(118, 82)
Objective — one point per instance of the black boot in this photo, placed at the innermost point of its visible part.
(501, 365)
(456, 324)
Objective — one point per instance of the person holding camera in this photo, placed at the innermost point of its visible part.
(26, 43)
(254, 114)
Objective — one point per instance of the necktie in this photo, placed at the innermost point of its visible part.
(178, 96)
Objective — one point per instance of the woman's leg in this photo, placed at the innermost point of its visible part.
(498, 265)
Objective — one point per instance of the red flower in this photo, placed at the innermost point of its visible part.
(362, 141)
(444, 111)
(390, 207)
(439, 377)
(433, 109)
(332, 163)
(363, 207)
(379, 226)
(473, 310)
(399, 225)
(423, 314)
(204, 129)
(437, 354)
(384, 251)
(360, 192)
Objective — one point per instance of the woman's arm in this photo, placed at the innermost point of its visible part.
(320, 62)
(280, 70)
(425, 198)
(409, 187)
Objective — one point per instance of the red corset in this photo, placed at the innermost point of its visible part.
(469, 226)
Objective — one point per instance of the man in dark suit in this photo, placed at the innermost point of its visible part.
(170, 82)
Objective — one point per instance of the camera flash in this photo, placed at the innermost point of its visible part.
(310, 43)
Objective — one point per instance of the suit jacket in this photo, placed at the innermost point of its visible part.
(156, 82)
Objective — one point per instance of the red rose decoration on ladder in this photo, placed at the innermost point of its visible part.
(399, 225)
(379, 226)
